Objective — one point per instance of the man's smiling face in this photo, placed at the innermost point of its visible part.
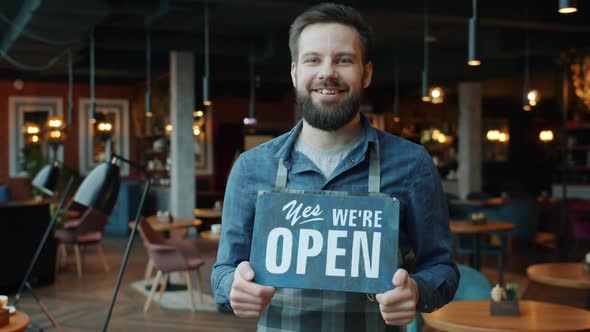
(329, 75)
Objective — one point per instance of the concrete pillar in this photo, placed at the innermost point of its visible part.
(470, 135)
(182, 104)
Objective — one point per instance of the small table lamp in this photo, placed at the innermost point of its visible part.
(99, 191)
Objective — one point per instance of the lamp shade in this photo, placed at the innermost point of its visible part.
(100, 188)
(46, 179)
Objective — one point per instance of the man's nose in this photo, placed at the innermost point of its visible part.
(327, 71)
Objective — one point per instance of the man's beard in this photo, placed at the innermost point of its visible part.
(327, 117)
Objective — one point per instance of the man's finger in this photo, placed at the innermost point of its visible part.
(245, 271)
(400, 278)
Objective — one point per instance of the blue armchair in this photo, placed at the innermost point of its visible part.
(4, 194)
(125, 209)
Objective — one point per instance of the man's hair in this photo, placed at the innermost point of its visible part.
(331, 13)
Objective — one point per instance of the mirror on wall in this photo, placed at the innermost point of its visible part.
(29, 141)
(108, 132)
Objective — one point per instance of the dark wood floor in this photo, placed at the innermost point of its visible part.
(81, 304)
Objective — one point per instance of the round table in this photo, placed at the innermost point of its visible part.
(209, 235)
(177, 223)
(463, 316)
(465, 227)
(209, 216)
(570, 275)
(18, 322)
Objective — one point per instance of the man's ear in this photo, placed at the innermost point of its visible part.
(368, 74)
(294, 74)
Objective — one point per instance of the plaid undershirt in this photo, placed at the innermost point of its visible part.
(317, 310)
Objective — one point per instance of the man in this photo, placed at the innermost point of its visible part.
(327, 150)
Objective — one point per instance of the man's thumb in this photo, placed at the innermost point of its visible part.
(400, 278)
(245, 271)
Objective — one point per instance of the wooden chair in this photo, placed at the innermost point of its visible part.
(171, 255)
(82, 232)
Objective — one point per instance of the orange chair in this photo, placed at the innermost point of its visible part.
(84, 231)
(171, 255)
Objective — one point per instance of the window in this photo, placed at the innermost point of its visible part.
(95, 140)
(28, 149)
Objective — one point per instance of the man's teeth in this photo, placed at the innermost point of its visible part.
(327, 92)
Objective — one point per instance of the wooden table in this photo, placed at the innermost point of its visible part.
(177, 223)
(463, 316)
(207, 213)
(571, 275)
(496, 201)
(209, 235)
(18, 322)
(210, 216)
(464, 227)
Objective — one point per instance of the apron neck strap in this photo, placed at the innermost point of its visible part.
(281, 182)
(374, 168)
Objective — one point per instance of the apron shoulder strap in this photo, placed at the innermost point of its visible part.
(281, 182)
(374, 169)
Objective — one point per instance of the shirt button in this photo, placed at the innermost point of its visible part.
(351, 161)
(426, 306)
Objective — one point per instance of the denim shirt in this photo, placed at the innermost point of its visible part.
(407, 172)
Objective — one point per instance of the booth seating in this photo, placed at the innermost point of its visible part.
(4, 194)
(125, 209)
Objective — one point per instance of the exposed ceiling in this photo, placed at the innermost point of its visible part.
(239, 26)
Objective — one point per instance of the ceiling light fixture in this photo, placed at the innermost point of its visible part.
(396, 117)
(206, 99)
(92, 100)
(472, 58)
(568, 6)
(148, 72)
(251, 119)
(425, 96)
(530, 98)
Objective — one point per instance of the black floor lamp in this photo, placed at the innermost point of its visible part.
(99, 191)
(46, 181)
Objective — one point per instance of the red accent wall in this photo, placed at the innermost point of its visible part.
(19, 187)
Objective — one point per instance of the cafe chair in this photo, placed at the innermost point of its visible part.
(473, 285)
(171, 255)
(81, 233)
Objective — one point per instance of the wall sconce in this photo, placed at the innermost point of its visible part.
(495, 135)
(168, 128)
(32, 129)
(32, 132)
(580, 78)
(437, 95)
(567, 6)
(196, 130)
(546, 136)
(55, 133)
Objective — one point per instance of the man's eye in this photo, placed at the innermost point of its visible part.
(345, 60)
(311, 60)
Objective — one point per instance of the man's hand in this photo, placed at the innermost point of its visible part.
(398, 306)
(247, 298)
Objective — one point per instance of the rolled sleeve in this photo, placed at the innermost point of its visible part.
(234, 245)
(436, 273)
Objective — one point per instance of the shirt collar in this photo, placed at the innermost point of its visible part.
(284, 146)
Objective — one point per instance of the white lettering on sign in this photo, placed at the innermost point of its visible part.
(333, 251)
(311, 245)
(304, 251)
(272, 248)
(345, 217)
(360, 243)
(309, 213)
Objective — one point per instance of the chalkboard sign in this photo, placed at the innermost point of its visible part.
(325, 240)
